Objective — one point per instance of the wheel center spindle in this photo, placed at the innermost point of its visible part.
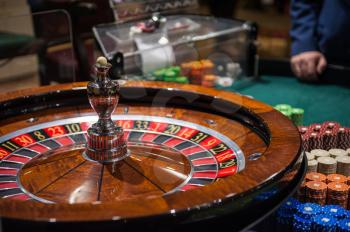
(106, 141)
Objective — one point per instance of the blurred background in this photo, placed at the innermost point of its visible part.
(51, 41)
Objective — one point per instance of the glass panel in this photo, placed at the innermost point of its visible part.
(191, 46)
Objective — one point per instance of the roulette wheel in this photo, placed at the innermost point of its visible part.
(169, 157)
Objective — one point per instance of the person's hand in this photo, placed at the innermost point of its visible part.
(308, 65)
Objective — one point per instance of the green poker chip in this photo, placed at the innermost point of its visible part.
(298, 116)
(169, 74)
(287, 113)
(283, 107)
(159, 74)
(169, 79)
(176, 70)
(182, 80)
(298, 111)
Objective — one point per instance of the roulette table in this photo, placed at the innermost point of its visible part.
(197, 158)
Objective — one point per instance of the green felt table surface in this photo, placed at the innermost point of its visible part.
(320, 102)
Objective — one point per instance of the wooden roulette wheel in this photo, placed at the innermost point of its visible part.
(195, 158)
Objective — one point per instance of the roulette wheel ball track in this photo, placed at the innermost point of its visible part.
(240, 161)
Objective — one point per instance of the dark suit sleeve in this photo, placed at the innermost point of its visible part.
(304, 14)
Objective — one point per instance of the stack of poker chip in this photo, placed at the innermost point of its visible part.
(337, 152)
(284, 214)
(170, 74)
(196, 70)
(332, 126)
(329, 139)
(336, 178)
(298, 116)
(304, 137)
(285, 109)
(319, 153)
(314, 140)
(295, 114)
(301, 224)
(304, 215)
(316, 192)
(324, 222)
(209, 80)
(343, 138)
(343, 225)
(343, 165)
(314, 176)
(311, 162)
(308, 210)
(337, 194)
(327, 165)
(325, 136)
(309, 156)
(312, 165)
(335, 211)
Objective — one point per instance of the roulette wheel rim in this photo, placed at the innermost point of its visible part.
(282, 138)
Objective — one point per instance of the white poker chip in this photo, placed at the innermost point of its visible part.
(327, 165)
(309, 156)
(343, 165)
(224, 81)
(312, 165)
(348, 151)
(337, 152)
(319, 153)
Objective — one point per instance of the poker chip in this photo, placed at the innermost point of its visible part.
(348, 151)
(283, 217)
(343, 165)
(330, 125)
(337, 152)
(336, 178)
(308, 210)
(337, 194)
(283, 107)
(314, 141)
(181, 80)
(286, 211)
(290, 205)
(312, 165)
(314, 176)
(309, 156)
(315, 127)
(329, 140)
(319, 153)
(343, 137)
(327, 165)
(343, 225)
(209, 80)
(298, 116)
(288, 114)
(224, 81)
(303, 129)
(335, 211)
(301, 224)
(176, 70)
(324, 222)
(304, 136)
(316, 192)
